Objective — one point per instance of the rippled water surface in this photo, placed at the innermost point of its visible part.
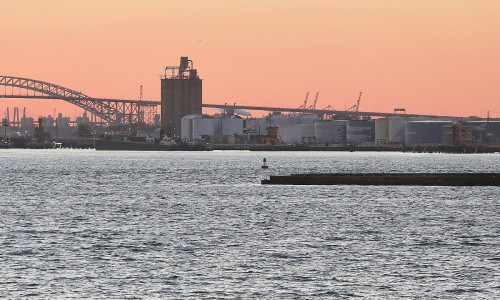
(117, 225)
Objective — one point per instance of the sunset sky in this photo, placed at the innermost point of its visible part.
(428, 56)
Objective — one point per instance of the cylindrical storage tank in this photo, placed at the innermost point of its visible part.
(251, 125)
(485, 132)
(187, 126)
(360, 131)
(492, 129)
(330, 132)
(425, 132)
(305, 119)
(339, 132)
(263, 125)
(478, 131)
(397, 129)
(381, 131)
(204, 126)
(232, 126)
(297, 133)
(274, 120)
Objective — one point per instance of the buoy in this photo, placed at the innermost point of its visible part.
(264, 166)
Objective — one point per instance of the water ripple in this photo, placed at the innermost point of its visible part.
(119, 225)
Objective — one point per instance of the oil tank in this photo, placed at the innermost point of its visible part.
(397, 129)
(485, 132)
(381, 131)
(360, 131)
(305, 119)
(425, 132)
(297, 133)
(477, 130)
(273, 120)
(187, 126)
(493, 132)
(205, 126)
(330, 132)
(232, 126)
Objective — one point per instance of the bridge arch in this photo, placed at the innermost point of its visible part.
(109, 110)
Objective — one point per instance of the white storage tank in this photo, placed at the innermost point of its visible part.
(397, 129)
(360, 131)
(305, 119)
(381, 131)
(425, 132)
(205, 126)
(273, 120)
(232, 126)
(297, 133)
(187, 126)
(330, 132)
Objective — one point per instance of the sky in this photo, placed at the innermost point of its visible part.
(427, 56)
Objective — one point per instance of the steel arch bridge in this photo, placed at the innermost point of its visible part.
(113, 111)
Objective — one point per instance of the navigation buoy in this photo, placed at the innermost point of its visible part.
(264, 165)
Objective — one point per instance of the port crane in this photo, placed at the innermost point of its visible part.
(304, 106)
(313, 106)
(355, 107)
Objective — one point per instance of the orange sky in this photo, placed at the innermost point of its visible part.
(428, 56)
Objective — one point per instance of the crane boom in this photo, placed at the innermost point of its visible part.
(304, 106)
(315, 100)
(357, 103)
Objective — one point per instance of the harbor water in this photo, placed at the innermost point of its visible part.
(199, 225)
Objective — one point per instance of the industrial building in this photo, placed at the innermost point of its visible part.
(436, 131)
(310, 130)
(56, 127)
(204, 128)
(181, 95)
(331, 132)
(182, 118)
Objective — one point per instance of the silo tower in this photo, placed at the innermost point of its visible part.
(180, 96)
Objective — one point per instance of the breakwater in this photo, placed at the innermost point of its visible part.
(427, 179)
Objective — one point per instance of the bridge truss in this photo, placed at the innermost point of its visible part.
(112, 111)
(119, 111)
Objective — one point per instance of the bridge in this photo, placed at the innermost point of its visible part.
(113, 111)
(325, 112)
(122, 111)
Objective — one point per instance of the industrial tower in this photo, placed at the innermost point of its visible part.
(180, 96)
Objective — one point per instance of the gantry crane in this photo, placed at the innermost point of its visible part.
(304, 106)
(355, 107)
(313, 106)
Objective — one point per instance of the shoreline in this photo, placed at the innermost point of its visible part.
(111, 145)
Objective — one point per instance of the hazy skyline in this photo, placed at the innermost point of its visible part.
(430, 57)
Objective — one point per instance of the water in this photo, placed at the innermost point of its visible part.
(118, 225)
